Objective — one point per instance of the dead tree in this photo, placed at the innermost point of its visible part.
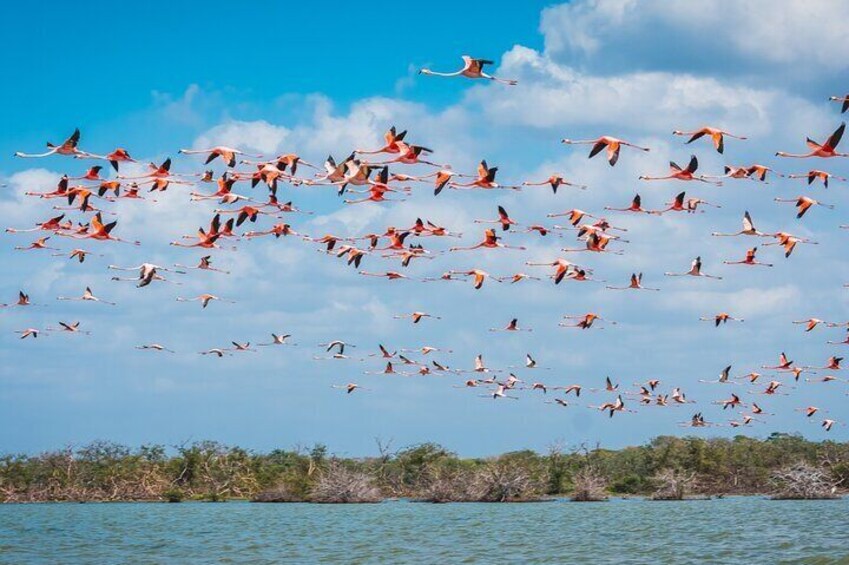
(339, 484)
(802, 481)
(672, 484)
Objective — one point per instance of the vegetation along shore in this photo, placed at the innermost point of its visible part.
(667, 468)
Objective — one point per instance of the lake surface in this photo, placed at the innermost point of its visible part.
(732, 530)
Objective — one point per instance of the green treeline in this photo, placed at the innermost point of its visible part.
(666, 467)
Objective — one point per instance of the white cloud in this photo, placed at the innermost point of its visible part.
(248, 136)
(714, 33)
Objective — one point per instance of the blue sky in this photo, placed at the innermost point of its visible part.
(318, 83)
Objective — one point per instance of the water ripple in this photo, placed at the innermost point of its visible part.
(731, 530)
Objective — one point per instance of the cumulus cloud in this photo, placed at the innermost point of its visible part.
(716, 36)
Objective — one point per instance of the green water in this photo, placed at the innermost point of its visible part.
(732, 530)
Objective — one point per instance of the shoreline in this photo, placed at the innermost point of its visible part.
(782, 466)
(565, 498)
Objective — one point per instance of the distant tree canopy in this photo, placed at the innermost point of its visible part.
(207, 470)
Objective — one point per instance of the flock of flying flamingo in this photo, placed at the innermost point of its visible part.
(371, 177)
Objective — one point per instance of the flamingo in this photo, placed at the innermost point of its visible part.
(204, 299)
(748, 229)
(716, 135)
(218, 352)
(472, 68)
(503, 219)
(613, 407)
(113, 186)
(333, 172)
(683, 174)
(571, 388)
(490, 241)
(205, 264)
(72, 327)
(92, 174)
(844, 102)
(575, 216)
(354, 255)
(120, 155)
(154, 347)
(636, 206)
(828, 423)
(53, 224)
(205, 239)
(485, 179)
(500, 392)
(292, 161)
(789, 242)
(350, 387)
(732, 172)
(61, 190)
(810, 323)
(584, 321)
(562, 268)
(416, 317)
(384, 353)
(227, 154)
(356, 173)
(478, 276)
(679, 397)
(29, 332)
(389, 275)
(377, 189)
(814, 174)
(636, 284)
(612, 144)
(697, 421)
(391, 139)
(677, 205)
(67, 147)
(518, 277)
(148, 272)
(826, 150)
(732, 402)
(555, 181)
(225, 185)
(337, 344)
(99, 231)
(277, 230)
(596, 243)
(512, 326)
(749, 259)
(695, 271)
(832, 364)
(87, 296)
(844, 342)
(721, 318)
(784, 364)
(441, 179)
(23, 300)
(760, 172)
(40, 243)
(411, 155)
(277, 339)
(803, 204)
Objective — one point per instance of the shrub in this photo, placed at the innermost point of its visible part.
(590, 485)
(802, 481)
(501, 481)
(672, 484)
(339, 484)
